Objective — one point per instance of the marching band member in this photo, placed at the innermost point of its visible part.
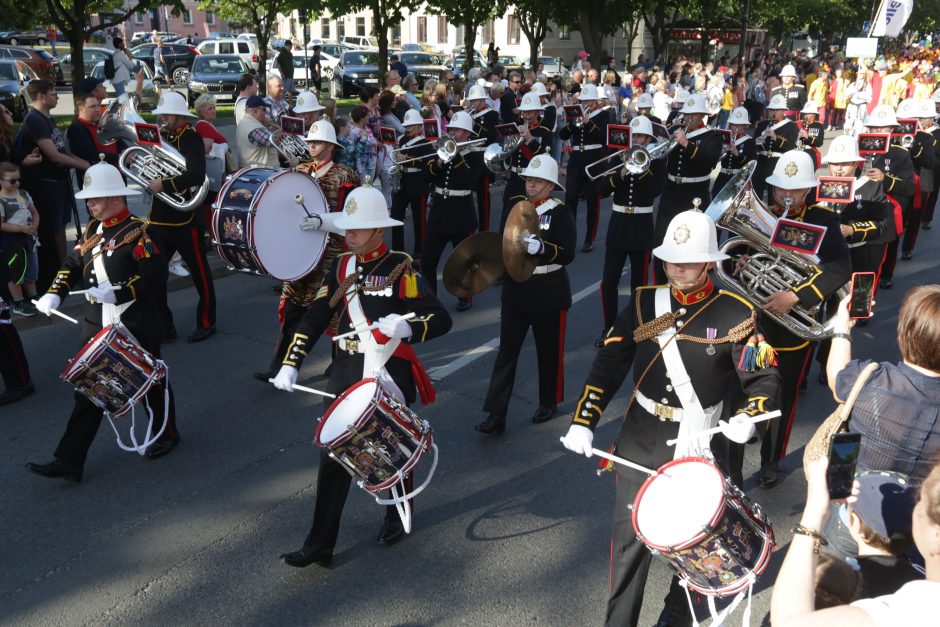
(810, 131)
(644, 107)
(689, 167)
(485, 120)
(369, 284)
(742, 151)
(678, 102)
(794, 95)
(630, 229)
(924, 154)
(336, 181)
(775, 136)
(536, 139)
(116, 251)
(895, 171)
(540, 303)
(588, 141)
(182, 232)
(933, 130)
(687, 331)
(792, 181)
(413, 189)
(308, 108)
(452, 218)
(550, 111)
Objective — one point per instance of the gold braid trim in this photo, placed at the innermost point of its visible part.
(352, 278)
(129, 237)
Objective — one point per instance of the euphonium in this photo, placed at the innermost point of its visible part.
(143, 164)
(497, 157)
(769, 269)
(290, 146)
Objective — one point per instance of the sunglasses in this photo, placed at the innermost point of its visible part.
(12, 181)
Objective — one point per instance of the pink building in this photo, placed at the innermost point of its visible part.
(193, 21)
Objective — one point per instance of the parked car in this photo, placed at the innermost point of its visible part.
(150, 93)
(39, 61)
(420, 47)
(423, 66)
(509, 62)
(250, 37)
(24, 38)
(179, 58)
(360, 42)
(219, 35)
(552, 66)
(241, 47)
(301, 73)
(356, 69)
(457, 58)
(91, 57)
(142, 37)
(14, 77)
(457, 68)
(216, 74)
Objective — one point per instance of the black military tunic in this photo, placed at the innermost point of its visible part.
(815, 136)
(484, 125)
(386, 284)
(135, 263)
(541, 303)
(730, 363)
(868, 216)
(732, 164)
(769, 150)
(923, 154)
(413, 190)
(929, 207)
(542, 138)
(795, 96)
(899, 185)
(549, 114)
(588, 144)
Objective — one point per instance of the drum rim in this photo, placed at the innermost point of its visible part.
(336, 402)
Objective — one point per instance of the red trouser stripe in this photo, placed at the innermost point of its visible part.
(8, 334)
(204, 288)
(646, 269)
(560, 383)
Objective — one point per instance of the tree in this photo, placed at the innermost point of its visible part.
(595, 20)
(469, 14)
(659, 18)
(533, 16)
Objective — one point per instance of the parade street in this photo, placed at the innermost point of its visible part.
(512, 529)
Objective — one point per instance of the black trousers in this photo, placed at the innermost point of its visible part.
(577, 185)
(418, 200)
(932, 201)
(293, 313)
(792, 366)
(189, 241)
(913, 218)
(548, 330)
(614, 260)
(484, 202)
(438, 237)
(13, 365)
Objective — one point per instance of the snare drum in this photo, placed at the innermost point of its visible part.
(373, 435)
(113, 371)
(704, 526)
(256, 223)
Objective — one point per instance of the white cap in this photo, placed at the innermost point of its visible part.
(777, 102)
(172, 103)
(935, 96)
(788, 70)
(926, 109)
(645, 101)
(103, 180)
(543, 167)
(538, 87)
(412, 118)
(365, 208)
(307, 103)
(907, 108)
(695, 104)
(531, 102)
(588, 92)
(794, 170)
(477, 92)
(882, 115)
(681, 97)
(809, 108)
(322, 131)
(843, 149)
(690, 238)
(739, 116)
(462, 120)
(641, 125)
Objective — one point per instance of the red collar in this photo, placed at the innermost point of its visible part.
(538, 203)
(373, 254)
(124, 215)
(535, 125)
(795, 214)
(696, 296)
(317, 166)
(93, 130)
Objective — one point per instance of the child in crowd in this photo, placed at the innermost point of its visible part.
(18, 240)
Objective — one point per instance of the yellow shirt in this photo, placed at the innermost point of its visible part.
(727, 102)
(818, 90)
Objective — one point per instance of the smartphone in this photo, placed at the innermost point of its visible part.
(863, 290)
(843, 456)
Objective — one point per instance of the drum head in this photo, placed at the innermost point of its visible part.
(672, 508)
(286, 252)
(347, 410)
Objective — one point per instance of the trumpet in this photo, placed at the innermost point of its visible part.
(636, 160)
(445, 149)
(678, 124)
(907, 141)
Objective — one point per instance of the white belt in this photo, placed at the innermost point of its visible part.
(765, 153)
(631, 209)
(663, 412)
(546, 269)
(452, 192)
(350, 345)
(857, 244)
(588, 147)
(688, 179)
(412, 170)
(730, 170)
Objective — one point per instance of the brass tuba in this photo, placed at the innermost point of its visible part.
(769, 269)
(291, 146)
(497, 157)
(143, 164)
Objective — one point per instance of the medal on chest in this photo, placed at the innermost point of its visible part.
(375, 286)
(545, 221)
(711, 334)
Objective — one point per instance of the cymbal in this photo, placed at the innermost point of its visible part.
(474, 265)
(523, 221)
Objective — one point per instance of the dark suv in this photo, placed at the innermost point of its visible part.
(356, 69)
(179, 59)
(39, 61)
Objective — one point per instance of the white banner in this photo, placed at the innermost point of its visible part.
(892, 17)
(863, 47)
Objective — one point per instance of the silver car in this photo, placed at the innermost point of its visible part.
(149, 96)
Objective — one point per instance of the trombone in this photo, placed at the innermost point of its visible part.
(445, 149)
(636, 160)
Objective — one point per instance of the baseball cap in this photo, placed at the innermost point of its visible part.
(89, 84)
(885, 503)
(254, 102)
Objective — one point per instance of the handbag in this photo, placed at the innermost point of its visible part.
(837, 422)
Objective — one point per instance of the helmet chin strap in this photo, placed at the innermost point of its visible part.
(684, 286)
(371, 244)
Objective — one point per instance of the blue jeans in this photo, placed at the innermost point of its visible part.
(118, 88)
(723, 118)
(288, 85)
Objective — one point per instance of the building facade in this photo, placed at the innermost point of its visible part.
(193, 21)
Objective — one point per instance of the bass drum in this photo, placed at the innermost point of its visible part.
(257, 218)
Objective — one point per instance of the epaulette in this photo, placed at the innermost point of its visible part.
(737, 297)
(823, 207)
(650, 287)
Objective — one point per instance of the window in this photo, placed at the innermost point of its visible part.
(460, 36)
(422, 36)
(187, 16)
(210, 18)
(324, 28)
(243, 47)
(361, 26)
(488, 32)
(396, 34)
(226, 47)
(341, 28)
(513, 29)
(138, 18)
(563, 33)
(442, 29)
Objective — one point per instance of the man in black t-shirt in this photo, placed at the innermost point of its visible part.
(316, 71)
(285, 65)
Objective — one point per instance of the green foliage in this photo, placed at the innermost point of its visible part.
(470, 14)
(385, 14)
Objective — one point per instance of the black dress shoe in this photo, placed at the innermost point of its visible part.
(263, 376)
(11, 395)
(493, 424)
(161, 447)
(769, 475)
(588, 247)
(906, 255)
(201, 334)
(885, 284)
(544, 414)
(599, 342)
(391, 533)
(309, 555)
(926, 225)
(463, 304)
(56, 469)
(169, 335)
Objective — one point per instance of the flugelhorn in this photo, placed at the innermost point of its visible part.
(636, 160)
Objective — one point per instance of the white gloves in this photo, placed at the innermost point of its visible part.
(738, 429)
(47, 303)
(101, 295)
(393, 326)
(579, 440)
(534, 245)
(311, 223)
(286, 378)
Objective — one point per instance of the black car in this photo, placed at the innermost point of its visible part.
(423, 65)
(216, 74)
(179, 59)
(355, 70)
(24, 38)
(13, 80)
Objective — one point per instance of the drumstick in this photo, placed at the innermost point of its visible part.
(112, 288)
(308, 390)
(56, 312)
(753, 420)
(621, 460)
(374, 325)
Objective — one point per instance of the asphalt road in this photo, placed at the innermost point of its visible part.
(512, 530)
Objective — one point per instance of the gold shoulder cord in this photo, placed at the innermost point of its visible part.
(129, 236)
